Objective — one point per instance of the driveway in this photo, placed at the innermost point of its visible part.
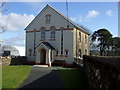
(42, 77)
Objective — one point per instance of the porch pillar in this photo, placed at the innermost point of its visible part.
(49, 57)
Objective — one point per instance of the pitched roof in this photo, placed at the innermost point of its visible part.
(66, 18)
(48, 45)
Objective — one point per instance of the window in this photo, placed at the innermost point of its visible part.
(61, 52)
(30, 52)
(53, 32)
(43, 33)
(85, 51)
(57, 52)
(47, 18)
(79, 52)
(61, 40)
(79, 36)
(85, 39)
(66, 52)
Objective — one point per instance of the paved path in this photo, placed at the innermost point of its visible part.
(42, 77)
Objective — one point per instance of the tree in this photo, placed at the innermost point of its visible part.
(115, 45)
(103, 37)
(2, 9)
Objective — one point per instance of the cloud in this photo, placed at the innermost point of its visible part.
(21, 50)
(86, 18)
(15, 41)
(15, 22)
(77, 18)
(73, 19)
(92, 14)
(109, 13)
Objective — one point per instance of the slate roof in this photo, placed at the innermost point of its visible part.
(67, 19)
(47, 45)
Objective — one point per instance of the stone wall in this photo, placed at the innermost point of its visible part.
(103, 73)
(5, 61)
(8, 60)
(21, 60)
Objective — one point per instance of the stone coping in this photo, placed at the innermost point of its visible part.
(111, 60)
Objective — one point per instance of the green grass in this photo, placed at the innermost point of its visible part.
(13, 76)
(73, 78)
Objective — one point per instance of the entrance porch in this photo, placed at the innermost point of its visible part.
(44, 54)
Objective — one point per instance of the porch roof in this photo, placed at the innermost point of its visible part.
(48, 45)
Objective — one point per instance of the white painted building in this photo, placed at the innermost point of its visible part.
(51, 37)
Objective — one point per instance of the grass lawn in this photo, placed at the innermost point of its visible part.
(73, 78)
(12, 76)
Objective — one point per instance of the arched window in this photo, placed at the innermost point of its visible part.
(48, 18)
(30, 52)
(57, 52)
(79, 52)
(66, 52)
(42, 33)
(85, 51)
(79, 37)
(53, 29)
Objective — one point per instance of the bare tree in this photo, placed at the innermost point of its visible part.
(2, 10)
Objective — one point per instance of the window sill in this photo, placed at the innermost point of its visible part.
(42, 40)
(66, 55)
(52, 39)
(34, 55)
(61, 55)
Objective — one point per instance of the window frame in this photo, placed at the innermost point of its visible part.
(79, 52)
(43, 33)
(53, 32)
(30, 52)
(48, 18)
(79, 37)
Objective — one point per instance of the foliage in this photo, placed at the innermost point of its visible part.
(115, 45)
(73, 78)
(2, 10)
(107, 44)
(103, 36)
(12, 76)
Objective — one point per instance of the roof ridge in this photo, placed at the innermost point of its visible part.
(66, 18)
(69, 20)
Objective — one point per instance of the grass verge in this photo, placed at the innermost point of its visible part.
(73, 78)
(13, 76)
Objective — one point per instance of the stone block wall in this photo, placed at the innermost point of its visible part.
(21, 60)
(103, 73)
(8, 60)
(5, 61)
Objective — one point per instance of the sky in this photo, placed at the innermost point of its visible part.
(92, 15)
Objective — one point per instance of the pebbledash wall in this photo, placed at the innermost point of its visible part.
(103, 73)
(69, 35)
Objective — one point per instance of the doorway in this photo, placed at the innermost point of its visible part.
(42, 56)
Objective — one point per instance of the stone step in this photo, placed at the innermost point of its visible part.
(40, 65)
